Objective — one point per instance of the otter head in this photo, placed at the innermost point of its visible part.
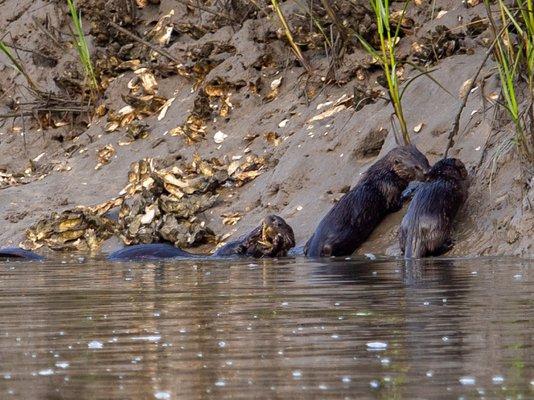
(448, 168)
(277, 236)
(408, 163)
(273, 238)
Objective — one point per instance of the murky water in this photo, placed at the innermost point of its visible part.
(287, 329)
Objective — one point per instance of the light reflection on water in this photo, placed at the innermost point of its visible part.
(267, 329)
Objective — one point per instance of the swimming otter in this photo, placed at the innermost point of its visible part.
(273, 238)
(426, 228)
(378, 193)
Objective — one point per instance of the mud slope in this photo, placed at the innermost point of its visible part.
(316, 145)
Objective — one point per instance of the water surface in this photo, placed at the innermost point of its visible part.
(87, 329)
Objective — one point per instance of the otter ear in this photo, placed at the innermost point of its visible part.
(396, 161)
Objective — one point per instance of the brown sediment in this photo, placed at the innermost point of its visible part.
(320, 135)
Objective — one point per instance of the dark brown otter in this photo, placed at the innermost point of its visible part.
(378, 193)
(426, 228)
(273, 238)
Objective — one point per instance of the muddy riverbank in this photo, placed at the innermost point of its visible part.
(315, 135)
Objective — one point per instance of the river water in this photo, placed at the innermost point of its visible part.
(87, 329)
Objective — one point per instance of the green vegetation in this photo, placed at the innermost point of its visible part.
(81, 45)
(385, 55)
(289, 36)
(514, 54)
(16, 64)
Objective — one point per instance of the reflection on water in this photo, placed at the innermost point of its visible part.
(268, 329)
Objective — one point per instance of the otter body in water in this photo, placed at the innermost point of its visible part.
(273, 238)
(9, 253)
(378, 193)
(426, 228)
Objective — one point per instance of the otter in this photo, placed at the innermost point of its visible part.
(426, 228)
(273, 238)
(378, 193)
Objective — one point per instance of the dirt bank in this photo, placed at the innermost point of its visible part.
(315, 140)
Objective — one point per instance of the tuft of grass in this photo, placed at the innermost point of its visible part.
(289, 36)
(385, 55)
(514, 54)
(16, 64)
(81, 45)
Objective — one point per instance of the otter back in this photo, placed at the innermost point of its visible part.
(426, 228)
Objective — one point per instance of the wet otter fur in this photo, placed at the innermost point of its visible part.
(426, 228)
(16, 253)
(273, 238)
(378, 193)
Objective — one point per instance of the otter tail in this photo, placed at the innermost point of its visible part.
(413, 247)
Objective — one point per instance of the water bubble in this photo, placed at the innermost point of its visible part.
(467, 380)
(62, 364)
(161, 395)
(445, 338)
(429, 373)
(95, 344)
(296, 374)
(377, 345)
(334, 336)
(7, 375)
(322, 386)
(220, 383)
(374, 384)
(151, 338)
(345, 379)
(222, 344)
(385, 361)
(497, 379)
(426, 303)
(46, 372)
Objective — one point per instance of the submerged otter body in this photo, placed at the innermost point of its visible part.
(350, 222)
(426, 228)
(9, 253)
(273, 238)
